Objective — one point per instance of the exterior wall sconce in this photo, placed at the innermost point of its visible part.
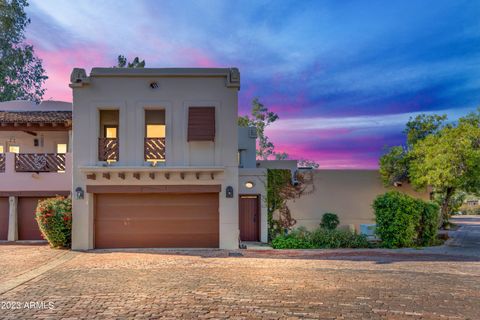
(79, 193)
(249, 184)
(154, 85)
(229, 192)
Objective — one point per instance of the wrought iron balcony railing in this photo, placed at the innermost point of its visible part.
(39, 162)
(154, 149)
(108, 149)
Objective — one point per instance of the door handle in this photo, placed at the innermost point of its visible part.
(254, 218)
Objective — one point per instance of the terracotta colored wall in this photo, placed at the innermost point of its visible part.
(10, 180)
(348, 193)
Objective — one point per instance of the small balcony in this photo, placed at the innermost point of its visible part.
(40, 162)
(108, 149)
(35, 171)
(154, 149)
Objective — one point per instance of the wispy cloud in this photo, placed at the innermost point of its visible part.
(347, 74)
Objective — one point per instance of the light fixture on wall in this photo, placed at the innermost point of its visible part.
(79, 194)
(154, 85)
(229, 192)
(249, 184)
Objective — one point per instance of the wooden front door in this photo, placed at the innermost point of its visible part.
(249, 218)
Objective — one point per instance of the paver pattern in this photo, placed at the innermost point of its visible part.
(18, 259)
(151, 284)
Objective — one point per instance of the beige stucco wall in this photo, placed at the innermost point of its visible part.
(348, 193)
(131, 95)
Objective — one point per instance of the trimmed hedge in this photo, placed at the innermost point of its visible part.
(404, 221)
(54, 218)
(321, 238)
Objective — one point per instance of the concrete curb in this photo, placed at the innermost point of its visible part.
(32, 274)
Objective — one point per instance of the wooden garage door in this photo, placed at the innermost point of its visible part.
(156, 220)
(3, 218)
(27, 225)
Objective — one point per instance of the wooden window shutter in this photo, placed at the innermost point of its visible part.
(201, 124)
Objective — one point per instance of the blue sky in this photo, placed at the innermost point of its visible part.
(344, 76)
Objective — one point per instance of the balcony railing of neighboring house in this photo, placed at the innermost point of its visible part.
(154, 149)
(40, 162)
(2, 162)
(108, 149)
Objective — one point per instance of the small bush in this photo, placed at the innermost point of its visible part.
(403, 221)
(330, 221)
(54, 218)
(332, 238)
(320, 239)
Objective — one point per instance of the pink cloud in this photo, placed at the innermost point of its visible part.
(59, 63)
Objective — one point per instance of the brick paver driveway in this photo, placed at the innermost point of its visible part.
(260, 285)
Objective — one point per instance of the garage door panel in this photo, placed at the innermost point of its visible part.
(142, 214)
(166, 240)
(158, 226)
(4, 218)
(156, 220)
(27, 225)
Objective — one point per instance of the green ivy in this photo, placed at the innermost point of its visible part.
(277, 180)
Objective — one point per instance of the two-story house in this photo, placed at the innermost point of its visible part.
(156, 160)
(35, 162)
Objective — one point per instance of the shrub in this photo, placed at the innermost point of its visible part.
(333, 238)
(403, 221)
(320, 238)
(54, 218)
(329, 221)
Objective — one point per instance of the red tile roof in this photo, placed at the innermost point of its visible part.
(22, 117)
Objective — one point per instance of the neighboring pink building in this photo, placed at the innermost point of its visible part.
(35, 162)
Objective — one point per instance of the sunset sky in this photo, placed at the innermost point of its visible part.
(344, 76)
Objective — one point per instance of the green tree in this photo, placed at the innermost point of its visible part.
(260, 118)
(395, 163)
(448, 161)
(394, 166)
(21, 72)
(421, 126)
(123, 63)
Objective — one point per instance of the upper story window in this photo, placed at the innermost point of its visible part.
(14, 149)
(201, 124)
(155, 133)
(61, 148)
(108, 147)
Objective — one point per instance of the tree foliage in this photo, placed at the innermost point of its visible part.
(423, 125)
(21, 72)
(260, 118)
(122, 62)
(448, 161)
(443, 156)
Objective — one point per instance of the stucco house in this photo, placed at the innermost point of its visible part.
(155, 159)
(35, 162)
(157, 163)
